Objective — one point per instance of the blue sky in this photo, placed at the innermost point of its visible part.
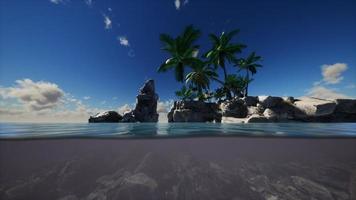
(106, 49)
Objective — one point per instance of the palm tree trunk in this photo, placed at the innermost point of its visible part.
(247, 78)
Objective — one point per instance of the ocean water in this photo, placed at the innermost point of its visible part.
(156, 130)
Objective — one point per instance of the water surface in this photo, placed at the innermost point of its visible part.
(132, 130)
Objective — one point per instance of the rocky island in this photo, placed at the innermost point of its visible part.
(249, 109)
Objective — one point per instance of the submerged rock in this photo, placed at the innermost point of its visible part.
(108, 116)
(194, 111)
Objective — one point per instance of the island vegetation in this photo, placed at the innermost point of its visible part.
(196, 73)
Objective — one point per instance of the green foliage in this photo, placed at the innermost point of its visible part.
(250, 64)
(201, 72)
(181, 50)
(185, 93)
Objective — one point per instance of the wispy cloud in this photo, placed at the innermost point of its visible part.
(178, 3)
(89, 2)
(351, 86)
(107, 22)
(325, 93)
(86, 97)
(332, 74)
(123, 41)
(58, 1)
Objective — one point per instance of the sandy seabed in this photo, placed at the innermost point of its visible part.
(235, 168)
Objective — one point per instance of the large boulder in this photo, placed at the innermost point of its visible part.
(146, 103)
(269, 101)
(108, 116)
(346, 106)
(194, 111)
(257, 119)
(234, 108)
(250, 100)
(310, 107)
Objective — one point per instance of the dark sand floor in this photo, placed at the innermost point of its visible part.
(186, 168)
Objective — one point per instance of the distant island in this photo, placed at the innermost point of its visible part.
(229, 102)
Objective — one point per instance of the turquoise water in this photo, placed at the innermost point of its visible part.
(134, 130)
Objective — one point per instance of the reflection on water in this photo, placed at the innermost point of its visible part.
(128, 130)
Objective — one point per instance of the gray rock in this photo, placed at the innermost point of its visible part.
(128, 117)
(257, 119)
(146, 103)
(269, 101)
(250, 101)
(270, 114)
(313, 107)
(108, 116)
(289, 99)
(252, 110)
(234, 108)
(194, 111)
(346, 106)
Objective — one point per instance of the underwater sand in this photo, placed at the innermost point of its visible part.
(178, 168)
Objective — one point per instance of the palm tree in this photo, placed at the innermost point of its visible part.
(250, 64)
(182, 51)
(185, 93)
(236, 84)
(223, 50)
(200, 76)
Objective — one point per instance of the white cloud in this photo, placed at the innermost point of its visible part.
(30, 101)
(325, 93)
(351, 86)
(124, 109)
(86, 97)
(123, 41)
(103, 102)
(34, 95)
(58, 1)
(164, 106)
(89, 2)
(177, 4)
(107, 22)
(332, 74)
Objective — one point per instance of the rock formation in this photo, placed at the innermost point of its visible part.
(108, 116)
(145, 109)
(277, 109)
(194, 111)
(146, 105)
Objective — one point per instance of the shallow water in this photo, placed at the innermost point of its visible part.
(132, 130)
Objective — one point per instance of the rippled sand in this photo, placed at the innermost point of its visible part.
(186, 168)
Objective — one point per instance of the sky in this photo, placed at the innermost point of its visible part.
(63, 60)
